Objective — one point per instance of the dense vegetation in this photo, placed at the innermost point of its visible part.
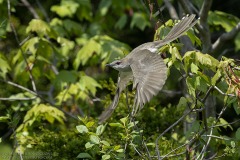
(54, 83)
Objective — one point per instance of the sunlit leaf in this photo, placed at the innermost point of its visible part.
(94, 139)
(88, 83)
(104, 6)
(227, 21)
(191, 87)
(216, 77)
(86, 52)
(66, 9)
(89, 145)
(100, 130)
(82, 129)
(116, 125)
(105, 143)
(106, 156)
(41, 28)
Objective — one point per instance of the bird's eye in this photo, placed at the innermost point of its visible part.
(118, 63)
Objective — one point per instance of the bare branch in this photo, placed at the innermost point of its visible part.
(17, 40)
(221, 92)
(30, 8)
(204, 11)
(171, 9)
(225, 37)
(166, 130)
(43, 11)
(20, 87)
(18, 99)
(205, 35)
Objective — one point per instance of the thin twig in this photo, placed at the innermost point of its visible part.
(18, 99)
(172, 11)
(173, 125)
(30, 8)
(20, 87)
(43, 11)
(18, 42)
(221, 92)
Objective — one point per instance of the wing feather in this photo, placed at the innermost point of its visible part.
(149, 76)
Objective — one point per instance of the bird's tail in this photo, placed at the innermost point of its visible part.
(108, 111)
(178, 30)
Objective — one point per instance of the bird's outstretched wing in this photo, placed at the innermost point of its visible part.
(123, 79)
(149, 76)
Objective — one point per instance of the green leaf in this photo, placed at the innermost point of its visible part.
(100, 130)
(94, 139)
(72, 27)
(140, 21)
(182, 102)
(4, 119)
(216, 77)
(106, 156)
(237, 134)
(104, 6)
(121, 22)
(89, 145)
(86, 52)
(124, 120)
(227, 21)
(175, 54)
(198, 59)
(116, 125)
(82, 129)
(41, 28)
(191, 86)
(84, 155)
(233, 144)
(85, 10)
(90, 124)
(66, 76)
(194, 39)
(88, 83)
(120, 150)
(105, 143)
(66, 9)
(4, 66)
(44, 112)
(237, 42)
(224, 123)
(194, 68)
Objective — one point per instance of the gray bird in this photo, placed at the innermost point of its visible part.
(145, 68)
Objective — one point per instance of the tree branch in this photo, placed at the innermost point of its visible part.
(172, 11)
(225, 37)
(30, 8)
(205, 35)
(173, 125)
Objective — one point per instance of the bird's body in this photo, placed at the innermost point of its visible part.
(145, 68)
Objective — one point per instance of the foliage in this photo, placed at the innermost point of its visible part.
(52, 70)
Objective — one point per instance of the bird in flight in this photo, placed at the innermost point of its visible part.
(146, 68)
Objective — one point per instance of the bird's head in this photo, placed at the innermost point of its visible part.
(119, 65)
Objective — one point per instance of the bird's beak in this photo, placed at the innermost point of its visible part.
(108, 65)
